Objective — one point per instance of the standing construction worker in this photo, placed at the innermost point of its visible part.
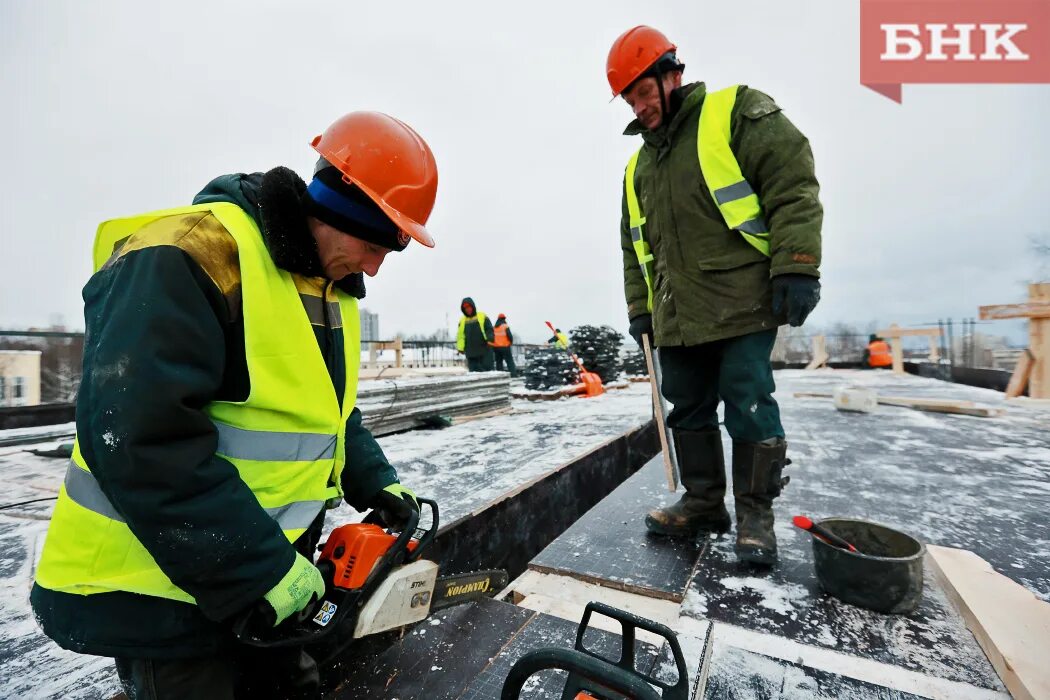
(502, 340)
(559, 339)
(473, 338)
(877, 354)
(216, 419)
(721, 244)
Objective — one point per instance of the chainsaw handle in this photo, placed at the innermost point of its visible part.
(429, 534)
(580, 666)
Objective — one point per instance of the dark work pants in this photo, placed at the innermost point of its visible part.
(259, 674)
(505, 355)
(481, 363)
(735, 370)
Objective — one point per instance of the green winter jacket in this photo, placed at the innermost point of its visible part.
(179, 307)
(709, 283)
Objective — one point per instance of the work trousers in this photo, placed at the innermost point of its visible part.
(735, 370)
(505, 355)
(481, 363)
(247, 672)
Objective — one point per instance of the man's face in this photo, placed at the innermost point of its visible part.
(644, 97)
(342, 254)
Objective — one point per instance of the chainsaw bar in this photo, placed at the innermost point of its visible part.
(463, 588)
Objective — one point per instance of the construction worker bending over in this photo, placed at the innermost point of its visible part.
(877, 354)
(216, 419)
(502, 340)
(721, 244)
(473, 337)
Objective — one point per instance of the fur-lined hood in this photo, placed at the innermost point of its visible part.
(274, 200)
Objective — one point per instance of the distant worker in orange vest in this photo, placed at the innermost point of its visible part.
(502, 339)
(878, 352)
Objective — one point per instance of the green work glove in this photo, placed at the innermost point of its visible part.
(394, 504)
(302, 584)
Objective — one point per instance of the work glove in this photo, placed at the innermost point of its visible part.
(797, 294)
(394, 505)
(642, 324)
(300, 586)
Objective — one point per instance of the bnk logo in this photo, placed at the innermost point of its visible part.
(953, 41)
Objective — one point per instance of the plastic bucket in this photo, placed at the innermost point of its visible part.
(886, 576)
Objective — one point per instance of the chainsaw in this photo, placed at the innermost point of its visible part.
(375, 581)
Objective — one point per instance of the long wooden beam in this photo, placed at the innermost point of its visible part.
(901, 332)
(1028, 309)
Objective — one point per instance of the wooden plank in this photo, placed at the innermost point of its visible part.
(895, 331)
(1028, 309)
(820, 353)
(573, 595)
(898, 355)
(1009, 622)
(962, 408)
(1022, 373)
(658, 414)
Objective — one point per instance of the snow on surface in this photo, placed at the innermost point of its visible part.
(463, 467)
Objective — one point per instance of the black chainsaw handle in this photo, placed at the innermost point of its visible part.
(599, 672)
(629, 622)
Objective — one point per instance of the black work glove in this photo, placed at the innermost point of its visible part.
(797, 295)
(394, 505)
(642, 324)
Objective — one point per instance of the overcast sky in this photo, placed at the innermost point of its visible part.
(115, 108)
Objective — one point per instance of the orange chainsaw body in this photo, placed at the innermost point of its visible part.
(353, 551)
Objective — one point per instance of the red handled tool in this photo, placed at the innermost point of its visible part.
(591, 382)
(822, 533)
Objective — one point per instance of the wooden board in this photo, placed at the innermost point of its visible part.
(1009, 622)
(609, 545)
(1030, 309)
(566, 597)
(1021, 374)
(963, 408)
(658, 414)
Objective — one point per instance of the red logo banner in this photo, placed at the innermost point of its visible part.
(953, 41)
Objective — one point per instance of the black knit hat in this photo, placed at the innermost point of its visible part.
(345, 207)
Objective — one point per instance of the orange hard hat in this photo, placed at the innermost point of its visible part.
(633, 53)
(389, 162)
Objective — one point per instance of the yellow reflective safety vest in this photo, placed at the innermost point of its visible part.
(461, 334)
(287, 440)
(735, 198)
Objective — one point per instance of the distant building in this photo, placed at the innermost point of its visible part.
(369, 325)
(19, 377)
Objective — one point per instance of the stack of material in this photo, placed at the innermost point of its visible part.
(633, 362)
(393, 405)
(549, 368)
(598, 347)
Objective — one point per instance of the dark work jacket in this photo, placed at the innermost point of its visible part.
(172, 314)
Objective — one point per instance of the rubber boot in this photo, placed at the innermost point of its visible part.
(702, 508)
(757, 480)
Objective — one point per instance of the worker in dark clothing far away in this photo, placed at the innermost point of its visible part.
(559, 339)
(720, 236)
(502, 340)
(877, 355)
(209, 444)
(473, 337)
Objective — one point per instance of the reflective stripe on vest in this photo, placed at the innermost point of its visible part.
(287, 440)
(736, 200)
(637, 221)
(83, 489)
